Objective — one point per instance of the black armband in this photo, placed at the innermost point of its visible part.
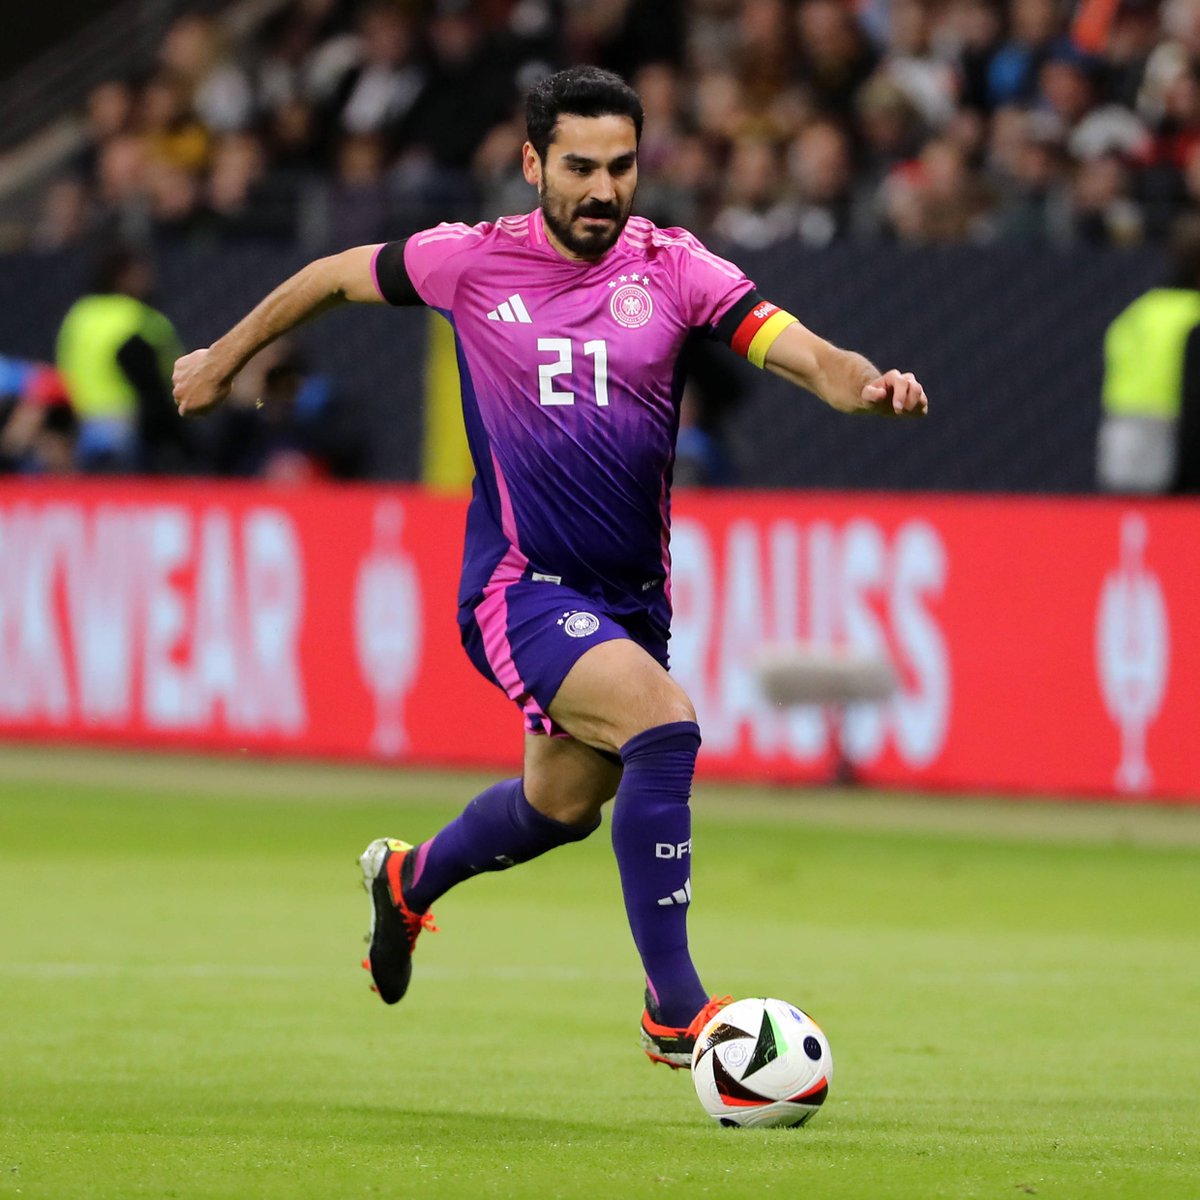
(391, 275)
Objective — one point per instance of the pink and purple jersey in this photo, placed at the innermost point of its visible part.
(571, 388)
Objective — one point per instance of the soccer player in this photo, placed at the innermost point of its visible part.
(569, 322)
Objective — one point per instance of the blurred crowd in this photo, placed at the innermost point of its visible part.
(338, 122)
(104, 405)
(918, 121)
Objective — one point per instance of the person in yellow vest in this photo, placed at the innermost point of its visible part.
(1149, 438)
(115, 354)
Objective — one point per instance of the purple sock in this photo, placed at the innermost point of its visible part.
(497, 830)
(652, 837)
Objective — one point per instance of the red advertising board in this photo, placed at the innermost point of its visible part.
(1040, 644)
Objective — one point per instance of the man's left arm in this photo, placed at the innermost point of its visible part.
(772, 338)
(843, 379)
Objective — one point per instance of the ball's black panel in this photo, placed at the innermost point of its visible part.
(731, 1089)
(765, 1049)
(816, 1097)
(722, 1033)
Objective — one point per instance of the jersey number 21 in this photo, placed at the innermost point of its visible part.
(562, 364)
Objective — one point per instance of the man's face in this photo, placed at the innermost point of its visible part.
(586, 183)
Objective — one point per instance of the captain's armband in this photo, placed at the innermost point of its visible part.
(751, 326)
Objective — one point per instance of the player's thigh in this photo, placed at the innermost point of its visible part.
(567, 780)
(616, 691)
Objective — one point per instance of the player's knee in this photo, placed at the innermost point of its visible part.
(670, 707)
(680, 709)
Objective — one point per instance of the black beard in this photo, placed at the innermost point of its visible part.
(585, 245)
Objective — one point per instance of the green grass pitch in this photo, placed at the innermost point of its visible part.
(1011, 991)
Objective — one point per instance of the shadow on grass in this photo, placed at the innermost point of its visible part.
(504, 1127)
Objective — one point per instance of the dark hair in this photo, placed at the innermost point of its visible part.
(582, 92)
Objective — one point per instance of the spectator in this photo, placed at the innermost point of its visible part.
(496, 169)
(174, 209)
(115, 354)
(938, 198)
(835, 58)
(170, 131)
(291, 135)
(282, 423)
(37, 426)
(649, 31)
(301, 53)
(110, 113)
(1103, 211)
(1036, 29)
(377, 92)
(821, 165)
(1127, 50)
(122, 177)
(967, 35)
(217, 89)
(1175, 53)
(111, 109)
(244, 200)
(660, 88)
(1149, 437)
(1066, 86)
(687, 190)
(65, 214)
(891, 130)
(623, 35)
(358, 194)
(765, 51)
(757, 212)
(1029, 169)
(718, 105)
(468, 89)
(676, 171)
(927, 81)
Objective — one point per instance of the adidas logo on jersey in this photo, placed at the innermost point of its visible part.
(681, 895)
(512, 311)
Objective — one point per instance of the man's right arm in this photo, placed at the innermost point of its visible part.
(202, 378)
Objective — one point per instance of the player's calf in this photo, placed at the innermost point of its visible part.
(652, 839)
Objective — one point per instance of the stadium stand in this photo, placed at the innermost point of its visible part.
(922, 121)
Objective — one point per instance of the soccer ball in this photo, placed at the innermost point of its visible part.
(761, 1062)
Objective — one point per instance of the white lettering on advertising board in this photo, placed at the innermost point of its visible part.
(151, 612)
(784, 581)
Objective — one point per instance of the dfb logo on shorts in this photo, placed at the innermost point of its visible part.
(579, 624)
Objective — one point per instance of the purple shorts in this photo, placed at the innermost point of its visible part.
(525, 636)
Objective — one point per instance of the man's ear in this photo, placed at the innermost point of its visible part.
(531, 164)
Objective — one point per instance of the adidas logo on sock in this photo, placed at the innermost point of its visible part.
(681, 895)
(512, 311)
